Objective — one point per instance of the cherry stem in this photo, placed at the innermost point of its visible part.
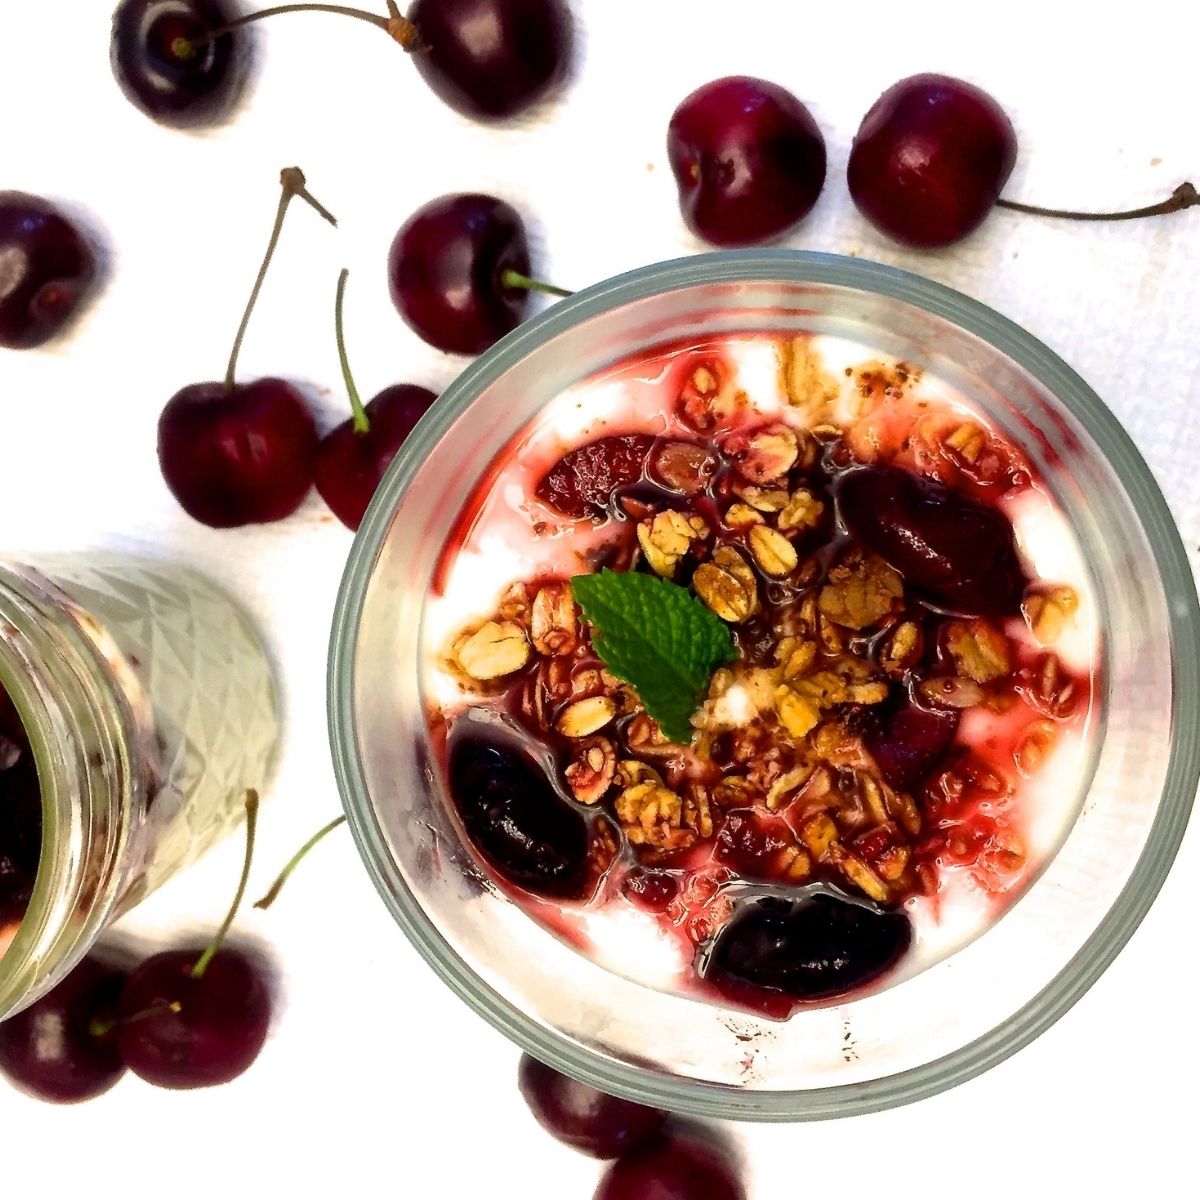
(514, 279)
(1184, 196)
(215, 945)
(292, 181)
(100, 1026)
(296, 860)
(362, 422)
(396, 26)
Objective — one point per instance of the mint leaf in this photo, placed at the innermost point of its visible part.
(658, 637)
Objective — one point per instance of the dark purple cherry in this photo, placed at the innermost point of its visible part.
(514, 817)
(818, 946)
(583, 481)
(930, 158)
(491, 59)
(353, 457)
(748, 158)
(459, 272)
(675, 1168)
(46, 269)
(908, 742)
(197, 1018)
(241, 454)
(585, 1119)
(20, 818)
(168, 66)
(957, 552)
(63, 1048)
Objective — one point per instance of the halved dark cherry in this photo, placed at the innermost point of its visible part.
(809, 949)
(959, 553)
(515, 818)
(582, 482)
(908, 742)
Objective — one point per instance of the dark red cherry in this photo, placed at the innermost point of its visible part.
(652, 890)
(587, 1120)
(676, 1168)
(515, 818)
(930, 159)
(238, 457)
(203, 1031)
(748, 158)
(447, 270)
(908, 742)
(582, 482)
(491, 59)
(46, 269)
(164, 66)
(350, 464)
(808, 949)
(50, 1049)
(956, 551)
(20, 818)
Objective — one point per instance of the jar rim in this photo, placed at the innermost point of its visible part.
(1183, 769)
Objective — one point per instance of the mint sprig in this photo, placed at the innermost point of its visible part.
(656, 636)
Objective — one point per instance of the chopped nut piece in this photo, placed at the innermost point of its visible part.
(667, 538)
(1048, 612)
(697, 814)
(802, 511)
(860, 591)
(727, 586)
(586, 682)
(798, 714)
(875, 692)
(1036, 742)
(903, 648)
(874, 797)
(630, 772)
(891, 863)
(789, 783)
(794, 656)
(591, 773)
(765, 455)
(652, 816)
(707, 399)
(948, 691)
(514, 604)
(772, 551)
(904, 810)
(858, 873)
(764, 499)
(967, 442)
(735, 791)
(819, 833)
(497, 648)
(645, 737)
(794, 863)
(979, 650)
(585, 717)
(742, 516)
(553, 626)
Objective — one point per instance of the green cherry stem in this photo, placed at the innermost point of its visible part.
(362, 422)
(102, 1026)
(297, 858)
(514, 279)
(1184, 196)
(293, 183)
(215, 945)
(398, 27)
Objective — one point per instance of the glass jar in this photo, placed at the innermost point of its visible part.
(149, 706)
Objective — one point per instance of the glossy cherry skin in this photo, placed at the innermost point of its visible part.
(445, 269)
(908, 742)
(46, 269)
(674, 1168)
(350, 464)
(587, 1120)
(163, 71)
(955, 551)
(930, 159)
(748, 158)
(48, 1049)
(239, 457)
(218, 1032)
(491, 59)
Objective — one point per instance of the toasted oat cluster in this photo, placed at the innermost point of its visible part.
(829, 750)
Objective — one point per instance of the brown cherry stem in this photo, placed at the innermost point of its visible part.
(101, 1026)
(297, 858)
(362, 422)
(396, 26)
(514, 279)
(1184, 196)
(215, 945)
(293, 183)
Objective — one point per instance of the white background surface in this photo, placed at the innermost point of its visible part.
(376, 1080)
